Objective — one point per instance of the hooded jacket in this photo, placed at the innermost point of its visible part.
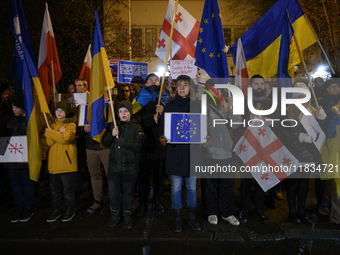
(62, 154)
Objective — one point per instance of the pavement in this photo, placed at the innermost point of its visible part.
(88, 233)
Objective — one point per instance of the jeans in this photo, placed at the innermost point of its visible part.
(62, 185)
(23, 187)
(176, 190)
(121, 184)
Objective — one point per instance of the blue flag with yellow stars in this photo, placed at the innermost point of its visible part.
(211, 53)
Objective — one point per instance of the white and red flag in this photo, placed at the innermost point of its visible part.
(184, 37)
(85, 71)
(268, 160)
(241, 73)
(47, 55)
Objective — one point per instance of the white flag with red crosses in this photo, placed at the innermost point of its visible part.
(264, 155)
(13, 149)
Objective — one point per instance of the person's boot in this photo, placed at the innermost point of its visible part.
(127, 220)
(292, 216)
(178, 221)
(114, 219)
(192, 220)
(141, 210)
(301, 214)
(159, 209)
(16, 216)
(27, 214)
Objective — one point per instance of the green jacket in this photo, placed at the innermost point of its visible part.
(124, 160)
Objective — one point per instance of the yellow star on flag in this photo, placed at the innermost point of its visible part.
(201, 29)
(224, 50)
(206, 21)
(213, 15)
(218, 55)
(200, 40)
(203, 50)
(211, 55)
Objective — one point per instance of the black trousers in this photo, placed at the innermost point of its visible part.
(297, 188)
(157, 168)
(121, 184)
(258, 195)
(62, 186)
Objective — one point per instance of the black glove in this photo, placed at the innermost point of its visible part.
(120, 141)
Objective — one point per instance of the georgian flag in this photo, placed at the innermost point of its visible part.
(184, 36)
(260, 148)
(85, 71)
(241, 74)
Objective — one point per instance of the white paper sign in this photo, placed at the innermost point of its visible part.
(13, 149)
(313, 129)
(183, 67)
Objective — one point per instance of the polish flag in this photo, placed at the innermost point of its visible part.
(184, 37)
(241, 74)
(85, 71)
(264, 154)
(48, 54)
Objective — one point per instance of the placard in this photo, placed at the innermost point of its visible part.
(185, 127)
(82, 118)
(183, 67)
(313, 129)
(128, 69)
(13, 149)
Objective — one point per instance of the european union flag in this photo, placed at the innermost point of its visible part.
(211, 53)
(284, 79)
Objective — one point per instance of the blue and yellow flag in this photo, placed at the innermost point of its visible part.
(283, 77)
(261, 42)
(210, 49)
(18, 28)
(101, 78)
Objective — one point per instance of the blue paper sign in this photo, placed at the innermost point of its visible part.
(127, 70)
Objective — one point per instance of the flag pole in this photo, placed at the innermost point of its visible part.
(45, 117)
(324, 53)
(167, 54)
(112, 110)
(53, 81)
(304, 65)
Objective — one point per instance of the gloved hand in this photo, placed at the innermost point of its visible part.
(305, 138)
(163, 140)
(320, 113)
(120, 141)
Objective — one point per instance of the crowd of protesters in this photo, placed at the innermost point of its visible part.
(136, 151)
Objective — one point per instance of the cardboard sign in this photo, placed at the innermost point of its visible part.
(13, 149)
(127, 70)
(74, 99)
(185, 127)
(183, 67)
(313, 129)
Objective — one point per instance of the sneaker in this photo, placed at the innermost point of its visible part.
(17, 214)
(94, 207)
(114, 219)
(212, 219)
(69, 214)
(54, 215)
(27, 215)
(323, 210)
(127, 220)
(232, 220)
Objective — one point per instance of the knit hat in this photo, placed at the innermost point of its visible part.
(65, 106)
(19, 101)
(125, 104)
(8, 93)
(328, 83)
(150, 75)
(299, 85)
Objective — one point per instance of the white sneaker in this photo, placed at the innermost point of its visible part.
(232, 220)
(212, 219)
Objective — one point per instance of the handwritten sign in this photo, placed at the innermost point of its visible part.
(183, 67)
(127, 70)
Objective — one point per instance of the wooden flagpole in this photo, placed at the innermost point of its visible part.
(112, 110)
(167, 54)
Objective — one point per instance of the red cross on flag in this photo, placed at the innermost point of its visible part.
(265, 156)
(184, 36)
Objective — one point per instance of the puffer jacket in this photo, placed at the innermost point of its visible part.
(62, 154)
(124, 160)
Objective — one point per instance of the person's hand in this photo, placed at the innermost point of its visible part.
(87, 128)
(156, 118)
(115, 132)
(47, 129)
(230, 101)
(305, 138)
(62, 129)
(207, 143)
(320, 113)
(163, 140)
(159, 109)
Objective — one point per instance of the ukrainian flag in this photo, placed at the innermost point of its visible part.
(261, 42)
(35, 105)
(101, 78)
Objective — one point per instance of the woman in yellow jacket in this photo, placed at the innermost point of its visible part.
(62, 161)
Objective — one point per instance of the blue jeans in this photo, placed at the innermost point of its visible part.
(176, 190)
(23, 187)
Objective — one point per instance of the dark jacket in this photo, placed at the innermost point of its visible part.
(16, 126)
(124, 160)
(90, 144)
(178, 155)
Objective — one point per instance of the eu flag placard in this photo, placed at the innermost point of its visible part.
(211, 52)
